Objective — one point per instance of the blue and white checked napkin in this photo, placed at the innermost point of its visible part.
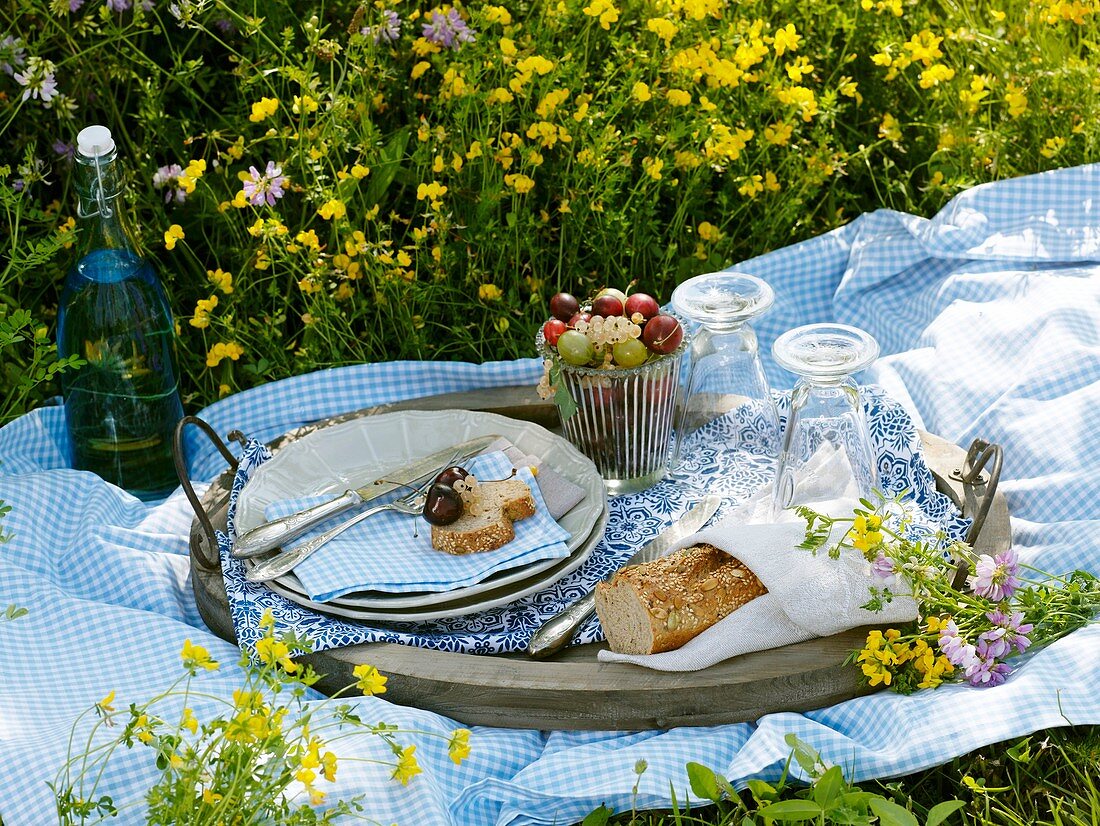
(393, 552)
(1006, 278)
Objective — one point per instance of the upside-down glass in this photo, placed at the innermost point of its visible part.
(826, 453)
(726, 373)
(623, 421)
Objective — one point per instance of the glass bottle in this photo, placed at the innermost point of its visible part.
(123, 404)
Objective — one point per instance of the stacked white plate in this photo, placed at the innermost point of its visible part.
(355, 453)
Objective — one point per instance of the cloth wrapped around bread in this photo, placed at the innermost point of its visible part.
(660, 605)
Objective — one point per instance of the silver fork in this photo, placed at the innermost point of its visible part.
(285, 561)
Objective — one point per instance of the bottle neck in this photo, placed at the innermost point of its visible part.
(99, 208)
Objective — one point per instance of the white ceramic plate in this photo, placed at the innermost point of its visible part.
(353, 453)
(494, 594)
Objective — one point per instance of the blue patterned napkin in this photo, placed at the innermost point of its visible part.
(393, 552)
(635, 519)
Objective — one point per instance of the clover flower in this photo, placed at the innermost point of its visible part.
(389, 29)
(264, 188)
(984, 668)
(12, 54)
(882, 568)
(64, 151)
(167, 177)
(1014, 630)
(37, 79)
(119, 5)
(995, 576)
(448, 30)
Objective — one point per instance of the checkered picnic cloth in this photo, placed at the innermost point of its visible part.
(989, 317)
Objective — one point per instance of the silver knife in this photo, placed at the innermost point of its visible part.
(270, 535)
(555, 634)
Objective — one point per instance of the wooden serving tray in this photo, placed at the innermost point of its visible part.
(574, 690)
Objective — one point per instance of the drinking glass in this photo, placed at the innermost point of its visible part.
(826, 453)
(726, 373)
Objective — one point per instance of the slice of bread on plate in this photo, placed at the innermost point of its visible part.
(659, 605)
(500, 504)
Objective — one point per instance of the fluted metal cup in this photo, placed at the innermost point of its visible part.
(624, 416)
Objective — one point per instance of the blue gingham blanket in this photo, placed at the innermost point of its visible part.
(989, 317)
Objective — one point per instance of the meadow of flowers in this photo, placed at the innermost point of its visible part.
(330, 183)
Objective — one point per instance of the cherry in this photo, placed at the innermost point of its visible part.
(607, 306)
(641, 303)
(552, 330)
(451, 475)
(563, 306)
(443, 505)
(662, 334)
(579, 317)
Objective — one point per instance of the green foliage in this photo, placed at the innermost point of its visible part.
(571, 144)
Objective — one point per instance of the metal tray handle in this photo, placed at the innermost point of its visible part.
(208, 550)
(980, 454)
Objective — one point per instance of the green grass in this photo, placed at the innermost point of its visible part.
(1045, 779)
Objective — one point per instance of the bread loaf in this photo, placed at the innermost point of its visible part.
(660, 605)
(501, 504)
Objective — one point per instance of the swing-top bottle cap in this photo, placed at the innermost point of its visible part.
(95, 141)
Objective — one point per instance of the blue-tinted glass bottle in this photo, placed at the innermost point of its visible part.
(122, 406)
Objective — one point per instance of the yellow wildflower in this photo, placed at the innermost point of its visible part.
(65, 229)
(603, 9)
(662, 27)
(971, 98)
(458, 746)
(787, 39)
(1052, 146)
(309, 285)
(304, 104)
(474, 151)
(274, 652)
(865, 532)
(370, 682)
(652, 167)
(1016, 101)
(724, 143)
(214, 357)
(708, 231)
(419, 69)
(535, 64)
(497, 14)
(262, 261)
(935, 75)
(753, 185)
(224, 390)
(508, 47)
(889, 128)
(432, 192)
(801, 98)
(641, 92)
(771, 183)
(105, 705)
(706, 105)
(925, 47)
(489, 292)
(333, 208)
(263, 109)
(779, 135)
(308, 239)
(210, 797)
(799, 68)
(240, 200)
(221, 279)
(423, 47)
(519, 182)
(358, 171)
(678, 97)
(499, 95)
(407, 767)
(195, 656)
(551, 101)
(203, 307)
(189, 721)
(173, 234)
